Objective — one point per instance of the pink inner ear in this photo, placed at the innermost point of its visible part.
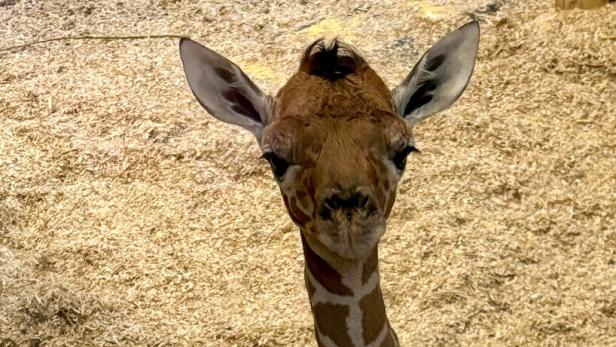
(422, 96)
(223, 89)
(241, 104)
(226, 75)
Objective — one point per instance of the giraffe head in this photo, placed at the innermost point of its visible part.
(336, 138)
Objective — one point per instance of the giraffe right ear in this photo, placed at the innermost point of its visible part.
(223, 89)
(440, 77)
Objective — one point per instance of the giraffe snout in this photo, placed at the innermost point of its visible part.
(347, 204)
(350, 222)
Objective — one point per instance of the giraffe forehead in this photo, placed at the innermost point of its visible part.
(311, 139)
(310, 112)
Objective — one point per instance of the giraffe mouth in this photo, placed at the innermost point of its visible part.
(349, 240)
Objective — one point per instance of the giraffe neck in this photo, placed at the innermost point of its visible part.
(347, 303)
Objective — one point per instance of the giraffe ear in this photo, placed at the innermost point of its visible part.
(223, 89)
(440, 77)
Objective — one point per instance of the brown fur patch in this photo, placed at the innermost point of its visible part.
(286, 204)
(327, 276)
(386, 185)
(390, 340)
(373, 319)
(375, 171)
(312, 193)
(370, 266)
(381, 198)
(390, 203)
(304, 199)
(329, 318)
(297, 214)
(319, 343)
(373, 175)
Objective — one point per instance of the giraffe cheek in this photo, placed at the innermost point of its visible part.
(298, 216)
(386, 185)
(381, 199)
(289, 209)
(390, 204)
(305, 202)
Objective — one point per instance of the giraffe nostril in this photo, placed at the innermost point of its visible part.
(329, 206)
(363, 201)
(346, 203)
(330, 203)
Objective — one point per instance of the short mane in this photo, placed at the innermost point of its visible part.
(331, 61)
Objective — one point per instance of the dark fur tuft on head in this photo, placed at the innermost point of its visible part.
(331, 61)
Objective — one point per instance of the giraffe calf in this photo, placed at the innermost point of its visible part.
(337, 140)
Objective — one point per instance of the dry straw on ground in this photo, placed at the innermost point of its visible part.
(129, 217)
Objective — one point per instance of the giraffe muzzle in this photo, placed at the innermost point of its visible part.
(350, 222)
(340, 205)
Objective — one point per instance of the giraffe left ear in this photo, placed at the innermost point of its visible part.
(223, 89)
(440, 77)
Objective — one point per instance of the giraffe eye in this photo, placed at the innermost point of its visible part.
(399, 158)
(279, 166)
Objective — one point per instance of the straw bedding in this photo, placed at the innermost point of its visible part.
(130, 217)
